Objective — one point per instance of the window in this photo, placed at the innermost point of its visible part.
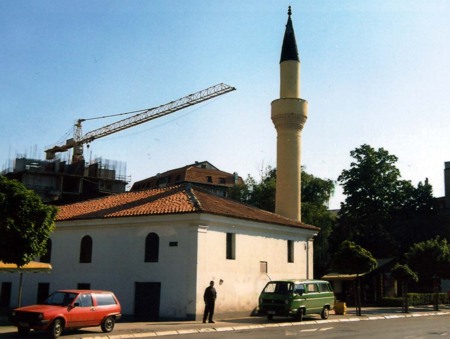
(324, 287)
(151, 248)
(222, 181)
(85, 300)
(48, 254)
(263, 266)
(209, 178)
(312, 288)
(83, 286)
(104, 299)
(278, 287)
(43, 292)
(5, 294)
(231, 246)
(290, 250)
(86, 250)
(299, 289)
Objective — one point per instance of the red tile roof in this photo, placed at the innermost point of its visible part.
(184, 198)
(194, 173)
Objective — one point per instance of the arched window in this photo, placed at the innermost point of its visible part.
(151, 247)
(86, 249)
(47, 257)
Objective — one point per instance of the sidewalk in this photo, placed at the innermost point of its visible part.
(124, 330)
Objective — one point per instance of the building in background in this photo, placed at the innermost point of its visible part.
(202, 174)
(61, 182)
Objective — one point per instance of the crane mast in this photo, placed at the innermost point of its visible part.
(145, 115)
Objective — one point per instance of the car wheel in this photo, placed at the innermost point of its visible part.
(56, 328)
(299, 315)
(325, 313)
(108, 324)
(23, 330)
(269, 316)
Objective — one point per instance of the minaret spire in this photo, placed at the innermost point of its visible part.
(289, 50)
(289, 114)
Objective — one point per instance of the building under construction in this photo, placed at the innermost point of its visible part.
(60, 182)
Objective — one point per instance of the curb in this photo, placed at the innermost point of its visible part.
(269, 325)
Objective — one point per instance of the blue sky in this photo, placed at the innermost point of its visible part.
(374, 72)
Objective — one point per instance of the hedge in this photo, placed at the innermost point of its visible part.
(415, 299)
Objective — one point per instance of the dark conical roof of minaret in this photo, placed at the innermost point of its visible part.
(289, 50)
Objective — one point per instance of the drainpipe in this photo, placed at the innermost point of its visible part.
(307, 256)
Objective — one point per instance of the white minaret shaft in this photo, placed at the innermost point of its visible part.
(289, 114)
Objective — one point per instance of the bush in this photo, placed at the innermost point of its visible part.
(415, 299)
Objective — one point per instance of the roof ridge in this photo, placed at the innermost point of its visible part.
(192, 197)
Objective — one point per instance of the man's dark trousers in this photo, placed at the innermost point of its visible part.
(209, 308)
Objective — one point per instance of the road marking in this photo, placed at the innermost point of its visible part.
(326, 329)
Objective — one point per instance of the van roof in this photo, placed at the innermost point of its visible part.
(300, 281)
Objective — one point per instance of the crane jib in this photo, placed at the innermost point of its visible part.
(144, 116)
(158, 112)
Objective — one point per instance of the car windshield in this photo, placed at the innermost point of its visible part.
(60, 298)
(278, 287)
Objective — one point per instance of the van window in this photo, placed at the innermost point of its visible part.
(299, 289)
(278, 288)
(105, 299)
(324, 288)
(311, 288)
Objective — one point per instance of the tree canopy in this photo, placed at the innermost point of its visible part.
(380, 208)
(353, 259)
(404, 275)
(430, 259)
(25, 223)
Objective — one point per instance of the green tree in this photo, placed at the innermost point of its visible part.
(404, 275)
(316, 194)
(25, 223)
(380, 207)
(418, 220)
(353, 259)
(259, 194)
(430, 259)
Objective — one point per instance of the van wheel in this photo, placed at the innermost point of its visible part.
(299, 315)
(56, 328)
(269, 316)
(23, 330)
(325, 313)
(108, 325)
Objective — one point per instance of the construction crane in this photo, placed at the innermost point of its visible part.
(145, 115)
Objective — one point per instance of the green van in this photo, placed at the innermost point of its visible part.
(296, 298)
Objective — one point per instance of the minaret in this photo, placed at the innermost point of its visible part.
(289, 114)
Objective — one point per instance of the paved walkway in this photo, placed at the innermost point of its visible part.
(125, 330)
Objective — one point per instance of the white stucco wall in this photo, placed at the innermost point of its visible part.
(242, 280)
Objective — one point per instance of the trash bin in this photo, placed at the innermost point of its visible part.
(340, 308)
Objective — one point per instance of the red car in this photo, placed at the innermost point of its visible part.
(71, 309)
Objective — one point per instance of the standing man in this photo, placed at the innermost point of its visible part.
(209, 296)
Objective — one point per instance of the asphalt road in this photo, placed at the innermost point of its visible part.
(375, 323)
(401, 328)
